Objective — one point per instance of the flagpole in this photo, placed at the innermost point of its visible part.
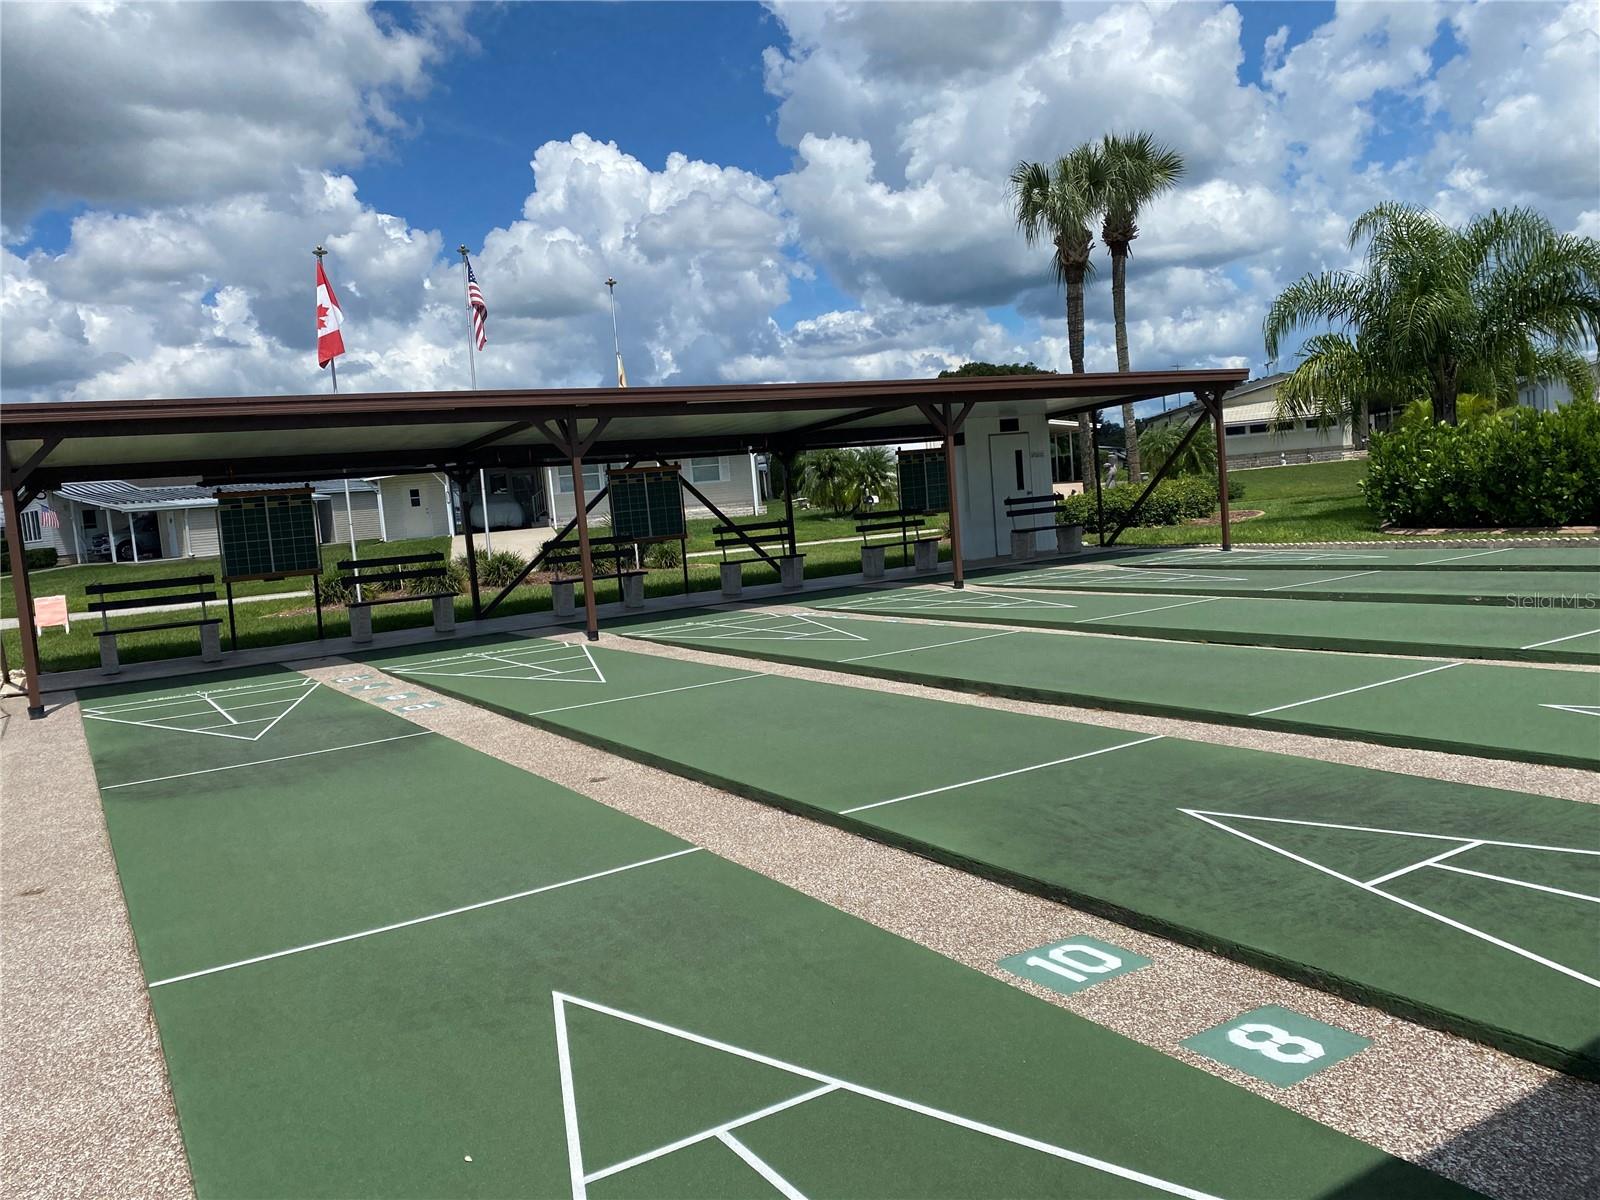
(472, 365)
(616, 343)
(349, 514)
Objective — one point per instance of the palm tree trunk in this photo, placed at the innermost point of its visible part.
(1444, 393)
(1119, 314)
(1074, 276)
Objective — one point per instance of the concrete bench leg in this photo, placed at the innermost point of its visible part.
(1069, 539)
(210, 643)
(792, 571)
(633, 591)
(110, 664)
(360, 623)
(444, 614)
(1022, 544)
(926, 558)
(872, 562)
(732, 580)
(563, 597)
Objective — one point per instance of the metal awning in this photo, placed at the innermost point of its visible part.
(121, 496)
(260, 438)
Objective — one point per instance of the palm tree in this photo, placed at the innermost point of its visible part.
(1437, 311)
(1134, 170)
(873, 472)
(1059, 202)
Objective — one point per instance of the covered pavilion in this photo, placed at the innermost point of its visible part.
(276, 439)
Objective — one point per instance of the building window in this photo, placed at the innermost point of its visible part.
(91, 518)
(705, 470)
(31, 531)
(1234, 430)
(592, 473)
(1259, 427)
(416, 497)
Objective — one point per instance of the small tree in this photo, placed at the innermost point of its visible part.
(873, 473)
(1160, 442)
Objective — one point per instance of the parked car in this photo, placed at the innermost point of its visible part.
(144, 529)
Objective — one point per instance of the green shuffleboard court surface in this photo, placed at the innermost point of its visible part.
(1532, 714)
(1361, 558)
(1548, 589)
(1318, 871)
(384, 964)
(1531, 634)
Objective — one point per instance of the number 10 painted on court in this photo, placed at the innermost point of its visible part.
(1074, 964)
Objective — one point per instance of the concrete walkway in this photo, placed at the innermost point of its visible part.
(11, 622)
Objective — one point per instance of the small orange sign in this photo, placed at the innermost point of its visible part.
(51, 610)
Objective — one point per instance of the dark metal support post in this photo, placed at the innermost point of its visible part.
(789, 457)
(958, 578)
(1094, 453)
(586, 564)
(22, 592)
(463, 484)
(1205, 415)
(1213, 401)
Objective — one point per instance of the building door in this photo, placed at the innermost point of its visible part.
(1008, 476)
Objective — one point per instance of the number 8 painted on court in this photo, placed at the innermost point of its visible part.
(1275, 1039)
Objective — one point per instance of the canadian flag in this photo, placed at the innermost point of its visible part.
(330, 342)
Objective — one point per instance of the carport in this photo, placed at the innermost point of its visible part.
(267, 439)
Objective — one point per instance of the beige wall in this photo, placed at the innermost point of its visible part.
(363, 507)
(430, 518)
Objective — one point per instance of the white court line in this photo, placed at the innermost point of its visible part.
(1438, 837)
(1568, 638)
(210, 732)
(931, 646)
(1363, 688)
(1284, 587)
(575, 1156)
(1458, 557)
(950, 787)
(438, 916)
(1427, 862)
(1401, 900)
(706, 1134)
(1159, 608)
(200, 694)
(646, 695)
(784, 1188)
(263, 761)
(1538, 887)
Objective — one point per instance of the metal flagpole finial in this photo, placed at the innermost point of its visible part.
(462, 250)
(319, 252)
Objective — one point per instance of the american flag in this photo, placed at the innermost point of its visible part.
(480, 310)
(48, 518)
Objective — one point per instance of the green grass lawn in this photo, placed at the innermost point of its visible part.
(1313, 502)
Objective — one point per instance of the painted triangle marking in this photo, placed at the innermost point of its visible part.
(201, 706)
(559, 662)
(760, 627)
(1583, 710)
(1458, 845)
(822, 1084)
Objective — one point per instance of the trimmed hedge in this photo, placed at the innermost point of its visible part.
(36, 559)
(1183, 498)
(1523, 468)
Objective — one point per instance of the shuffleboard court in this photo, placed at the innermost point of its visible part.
(1361, 558)
(398, 967)
(1278, 861)
(1531, 714)
(1530, 634)
(1577, 589)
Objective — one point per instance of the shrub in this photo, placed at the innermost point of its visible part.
(660, 555)
(1524, 468)
(335, 591)
(36, 559)
(495, 570)
(1187, 497)
(455, 580)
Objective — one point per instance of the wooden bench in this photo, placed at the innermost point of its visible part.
(756, 537)
(619, 550)
(919, 547)
(1043, 515)
(401, 571)
(197, 591)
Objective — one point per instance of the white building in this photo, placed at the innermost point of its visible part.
(1547, 395)
(1256, 437)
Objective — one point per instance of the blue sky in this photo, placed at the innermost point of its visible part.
(786, 191)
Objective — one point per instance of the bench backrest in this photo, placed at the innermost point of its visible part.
(380, 572)
(1034, 506)
(198, 592)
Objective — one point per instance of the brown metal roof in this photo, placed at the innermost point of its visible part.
(277, 437)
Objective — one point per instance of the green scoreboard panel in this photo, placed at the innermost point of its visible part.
(646, 503)
(266, 534)
(924, 486)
